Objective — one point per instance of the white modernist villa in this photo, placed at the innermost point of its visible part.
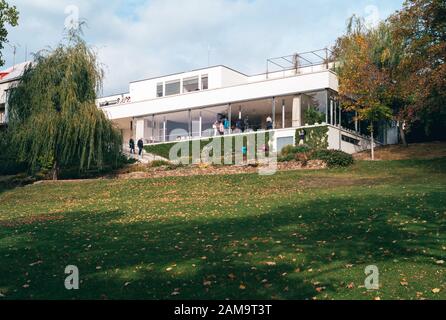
(187, 105)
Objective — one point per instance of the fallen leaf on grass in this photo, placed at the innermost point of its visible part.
(242, 287)
(35, 263)
(435, 290)
(439, 262)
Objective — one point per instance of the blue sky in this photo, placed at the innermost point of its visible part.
(136, 39)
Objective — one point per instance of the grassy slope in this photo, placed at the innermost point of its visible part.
(426, 150)
(240, 236)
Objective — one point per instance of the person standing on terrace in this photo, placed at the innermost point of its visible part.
(269, 123)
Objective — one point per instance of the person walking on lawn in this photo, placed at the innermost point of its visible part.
(140, 146)
(132, 146)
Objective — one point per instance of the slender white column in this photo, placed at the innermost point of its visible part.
(164, 129)
(297, 111)
(283, 114)
(200, 125)
(230, 117)
(140, 127)
(274, 112)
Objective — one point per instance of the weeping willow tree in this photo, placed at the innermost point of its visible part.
(54, 121)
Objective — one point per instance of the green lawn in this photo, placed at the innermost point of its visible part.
(296, 235)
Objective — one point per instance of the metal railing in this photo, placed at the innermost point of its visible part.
(299, 61)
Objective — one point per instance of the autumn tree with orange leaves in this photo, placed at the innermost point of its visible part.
(397, 69)
(365, 84)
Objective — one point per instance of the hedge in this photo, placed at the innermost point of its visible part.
(333, 158)
(163, 149)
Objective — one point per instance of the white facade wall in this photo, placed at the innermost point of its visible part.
(335, 141)
(232, 78)
(221, 96)
(146, 89)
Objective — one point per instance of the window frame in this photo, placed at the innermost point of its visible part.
(204, 76)
(158, 85)
(176, 82)
(190, 79)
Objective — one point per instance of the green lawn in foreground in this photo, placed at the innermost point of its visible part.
(295, 235)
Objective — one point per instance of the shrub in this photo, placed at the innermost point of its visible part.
(287, 150)
(312, 116)
(299, 153)
(9, 166)
(287, 158)
(291, 150)
(302, 149)
(333, 158)
(159, 163)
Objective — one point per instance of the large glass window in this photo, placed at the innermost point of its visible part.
(253, 115)
(158, 126)
(177, 126)
(159, 90)
(213, 116)
(173, 87)
(190, 84)
(316, 100)
(348, 120)
(333, 109)
(284, 120)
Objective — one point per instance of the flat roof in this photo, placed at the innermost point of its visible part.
(183, 72)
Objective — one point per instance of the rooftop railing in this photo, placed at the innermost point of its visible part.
(299, 61)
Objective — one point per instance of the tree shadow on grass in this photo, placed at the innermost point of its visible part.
(278, 254)
(11, 182)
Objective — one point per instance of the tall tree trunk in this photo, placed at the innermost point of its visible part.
(402, 134)
(372, 140)
(55, 171)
